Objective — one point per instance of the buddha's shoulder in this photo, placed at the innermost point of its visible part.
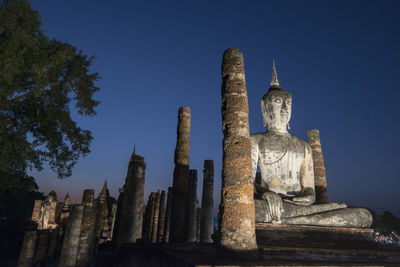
(257, 137)
(300, 142)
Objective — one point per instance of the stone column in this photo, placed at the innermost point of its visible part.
(117, 218)
(132, 206)
(41, 247)
(156, 217)
(53, 244)
(192, 207)
(167, 216)
(207, 203)
(70, 246)
(113, 217)
(161, 222)
(198, 223)
(27, 253)
(237, 222)
(87, 235)
(321, 191)
(178, 226)
(150, 215)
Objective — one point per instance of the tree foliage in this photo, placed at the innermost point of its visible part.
(39, 79)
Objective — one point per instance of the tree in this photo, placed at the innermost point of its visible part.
(39, 79)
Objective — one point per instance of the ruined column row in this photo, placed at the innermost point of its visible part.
(74, 233)
(70, 233)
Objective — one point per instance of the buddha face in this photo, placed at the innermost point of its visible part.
(277, 109)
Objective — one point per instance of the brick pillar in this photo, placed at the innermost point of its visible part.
(132, 206)
(198, 223)
(41, 247)
(321, 191)
(52, 251)
(70, 246)
(237, 221)
(207, 203)
(27, 253)
(192, 207)
(87, 235)
(150, 215)
(161, 223)
(117, 218)
(167, 216)
(180, 182)
(156, 217)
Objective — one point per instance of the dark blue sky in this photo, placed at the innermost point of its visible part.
(339, 59)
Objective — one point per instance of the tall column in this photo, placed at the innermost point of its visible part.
(27, 253)
(41, 247)
(70, 246)
(192, 207)
(180, 181)
(151, 208)
(168, 216)
(87, 235)
(207, 203)
(156, 217)
(132, 206)
(161, 223)
(321, 191)
(117, 218)
(198, 223)
(53, 244)
(237, 222)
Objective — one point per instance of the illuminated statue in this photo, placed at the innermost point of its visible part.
(286, 191)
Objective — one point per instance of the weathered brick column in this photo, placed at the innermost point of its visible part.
(178, 227)
(117, 218)
(27, 253)
(87, 235)
(161, 222)
(41, 247)
(198, 223)
(207, 203)
(321, 191)
(151, 203)
(168, 216)
(237, 221)
(132, 205)
(192, 207)
(54, 243)
(156, 217)
(72, 236)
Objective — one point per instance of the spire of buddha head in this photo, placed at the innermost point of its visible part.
(274, 80)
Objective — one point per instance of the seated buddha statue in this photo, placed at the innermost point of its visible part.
(286, 191)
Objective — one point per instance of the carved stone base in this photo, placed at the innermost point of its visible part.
(269, 234)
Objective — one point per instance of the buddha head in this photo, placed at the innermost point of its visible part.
(276, 106)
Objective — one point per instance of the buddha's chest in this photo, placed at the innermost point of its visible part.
(273, 149)
(280, 161)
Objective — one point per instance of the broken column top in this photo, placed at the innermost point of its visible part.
(183, 137)
(88, 197)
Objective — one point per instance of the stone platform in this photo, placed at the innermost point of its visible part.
(204, 255)
(269, 234)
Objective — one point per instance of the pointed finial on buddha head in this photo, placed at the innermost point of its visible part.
(274, 80)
